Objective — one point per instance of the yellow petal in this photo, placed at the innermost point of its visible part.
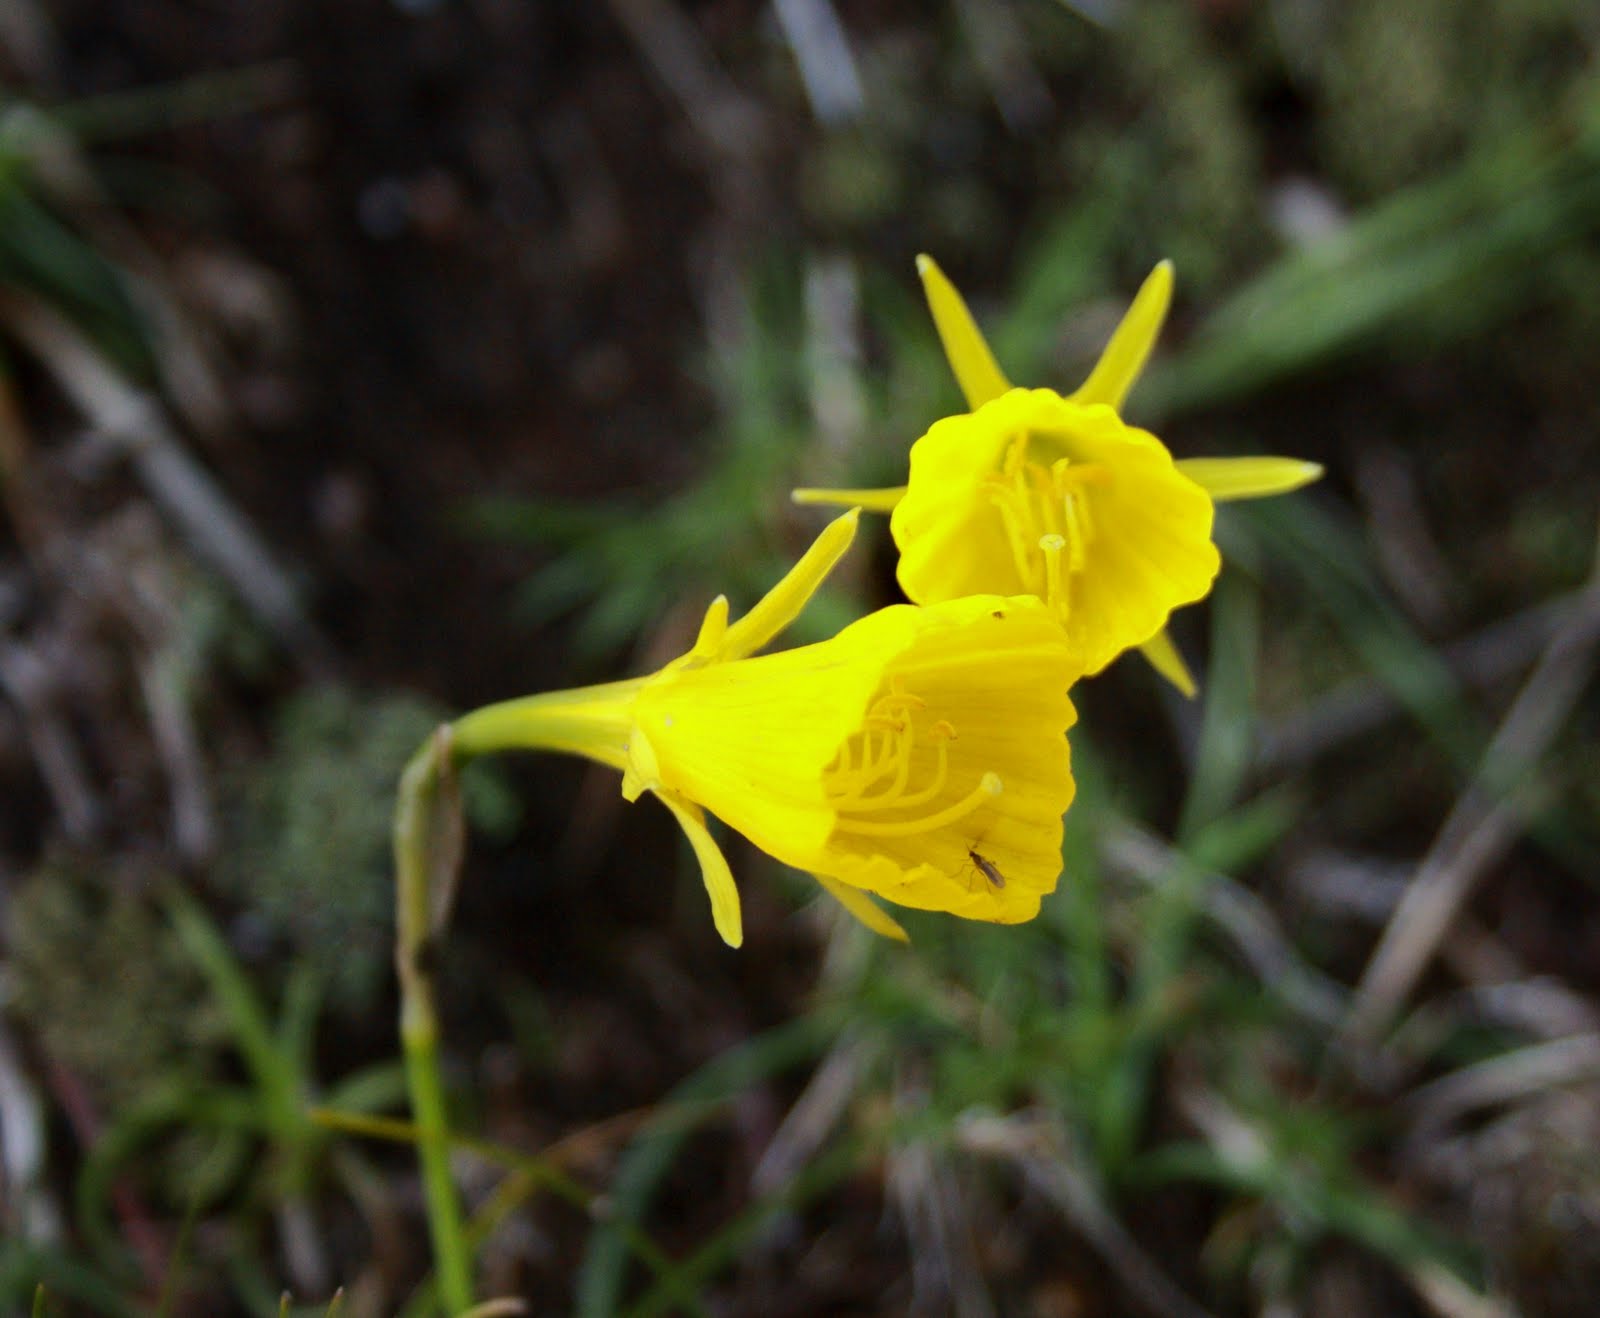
(951, 540)
(749, 740)
(1165, 659)
(714, 869)
(713, 627)
(1153, 553)
(1130, 346)
(782, 604)
(864, 909)
(874, 501)
(975, 368)
(1249, 478)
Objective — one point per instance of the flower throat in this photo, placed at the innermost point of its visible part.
(869, 784)
(1048, 522)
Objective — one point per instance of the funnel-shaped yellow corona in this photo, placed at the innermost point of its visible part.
(1038, 493)
(882, 761)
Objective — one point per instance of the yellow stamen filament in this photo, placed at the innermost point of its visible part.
(871, 773)
(1045, 511)
(1016, 454)
(1015, 516)
(989, 786)
(941, 775)
(1052, 546)
(884, 747)
(901, 756)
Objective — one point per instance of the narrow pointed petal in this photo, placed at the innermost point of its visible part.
(1248, 478)
(1165, 659)
(782, 604)
(874, 501)
(714, 869)
(864, 909)
(975, 368)
(1130, 346)
(713, 627)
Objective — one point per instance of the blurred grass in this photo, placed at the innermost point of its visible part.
(621, 566)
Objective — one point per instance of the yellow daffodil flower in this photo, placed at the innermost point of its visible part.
(1038, 493)
(919, 755)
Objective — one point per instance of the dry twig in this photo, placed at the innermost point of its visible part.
(1485, 821)
(179, 485)
(1036, 1146)
(945, 1276)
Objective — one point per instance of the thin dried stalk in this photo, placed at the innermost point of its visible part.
(178, 484)
(1038, 1150)
(1486, 820)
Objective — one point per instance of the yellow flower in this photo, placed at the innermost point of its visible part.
(1039, 493)
(919, 755)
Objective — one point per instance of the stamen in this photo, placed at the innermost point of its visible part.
(1045, 495)
(1085, 514)
(881, 757)
(1016, 516)
(870, 768)
(989, 786)
(1016, 454)
(1052, 546)
(843, 761)
(884, 747)
(902, 768)
(1076, 537)
(923, 795)
(1035, 502)
(1067, 480)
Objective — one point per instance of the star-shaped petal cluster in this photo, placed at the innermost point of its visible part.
(1056, 496)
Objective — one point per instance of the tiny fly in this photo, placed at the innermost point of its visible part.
(987, 868)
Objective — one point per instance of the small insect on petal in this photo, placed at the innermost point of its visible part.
(987, 868)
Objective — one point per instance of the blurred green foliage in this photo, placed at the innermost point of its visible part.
(1406, 89)
(96, 972)
(1169, 147)
(310, 852)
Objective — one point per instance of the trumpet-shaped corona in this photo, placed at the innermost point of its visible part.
(879, 760)
(1039, 493)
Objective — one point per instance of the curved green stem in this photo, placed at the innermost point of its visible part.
(591, 721)
(428, 833)
(423, 854)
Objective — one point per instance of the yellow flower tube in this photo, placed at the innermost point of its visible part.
(919, 755)
(1039, 493)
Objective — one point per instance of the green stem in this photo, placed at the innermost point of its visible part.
(445, 1224)
(594, 722)
(418, 856)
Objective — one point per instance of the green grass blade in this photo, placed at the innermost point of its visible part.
(651, 1155)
